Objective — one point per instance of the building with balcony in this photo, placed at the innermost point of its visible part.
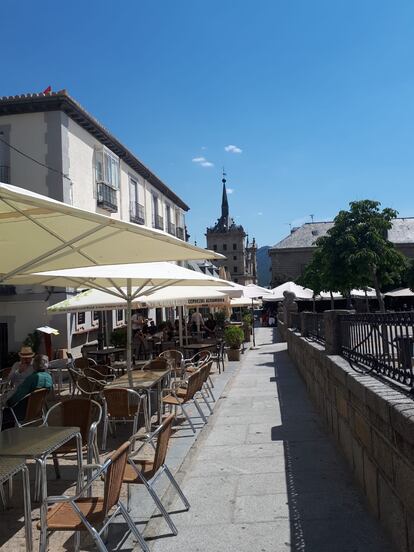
(230, 239)
(51, 145)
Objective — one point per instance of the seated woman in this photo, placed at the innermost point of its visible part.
(39, 379)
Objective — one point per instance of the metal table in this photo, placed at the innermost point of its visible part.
(106, 353)
(145, 380)
(197, 347)
(8, 468)
(38, 443)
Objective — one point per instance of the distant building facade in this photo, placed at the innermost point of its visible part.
(51, 145)
(230, 239)
(290, 256)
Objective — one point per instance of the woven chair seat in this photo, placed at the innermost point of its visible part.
(170, 399)
(62, 516)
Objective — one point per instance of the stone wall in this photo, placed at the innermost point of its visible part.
(373, 425)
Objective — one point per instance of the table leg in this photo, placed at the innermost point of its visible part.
(27, 510)
(80, 461)
(159, 390)
(41, 462)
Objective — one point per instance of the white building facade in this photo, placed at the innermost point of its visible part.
(50, 145)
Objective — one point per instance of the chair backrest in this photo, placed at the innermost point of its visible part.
(114, 477)
(99, 371)
(118, 403)
(205, 370)
(75, 412)
(201, 357)
(162, 442)
(83, 362)
(193, 385)
(156, 364)
(173, 357)
(89, 386)
(35, 405)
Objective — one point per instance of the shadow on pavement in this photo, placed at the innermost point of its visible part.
(327, 512)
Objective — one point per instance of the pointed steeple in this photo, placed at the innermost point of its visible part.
(224, 202)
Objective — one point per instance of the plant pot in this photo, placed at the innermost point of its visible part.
(233, 354)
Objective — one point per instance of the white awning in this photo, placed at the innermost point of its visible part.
(402, 292)
(302, 294)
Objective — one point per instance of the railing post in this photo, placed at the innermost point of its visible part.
(333, 331)
(304, 327)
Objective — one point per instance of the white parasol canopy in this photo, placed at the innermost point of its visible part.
(402, 292)
(38, 233)
(244, 302)
(113, 279)
(173, 296)
(302, 294)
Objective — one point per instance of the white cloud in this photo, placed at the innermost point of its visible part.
(231, 148)
(202, 161)
(230, 190)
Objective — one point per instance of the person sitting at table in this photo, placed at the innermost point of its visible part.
(38, 379)
(23, 367)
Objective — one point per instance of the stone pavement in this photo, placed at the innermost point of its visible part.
(263, 476)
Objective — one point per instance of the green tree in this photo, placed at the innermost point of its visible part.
(409, 275)
(356, 252)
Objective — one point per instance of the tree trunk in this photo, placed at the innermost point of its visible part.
(378, 291)
(332, 301)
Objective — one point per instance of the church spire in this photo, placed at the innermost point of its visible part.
(224, 201)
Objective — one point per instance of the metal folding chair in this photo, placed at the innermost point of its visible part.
(85, 513)
(147, 471)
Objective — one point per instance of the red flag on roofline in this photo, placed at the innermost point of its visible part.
(48, 90)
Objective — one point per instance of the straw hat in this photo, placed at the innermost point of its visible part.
(26, 352)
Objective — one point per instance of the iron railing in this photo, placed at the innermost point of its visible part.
(180, 232)
(136, 213)
(381, 343)
(106, 197)
(315, 326)
(158, 222)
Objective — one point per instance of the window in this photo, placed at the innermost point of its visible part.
(234, 269)
(95, 318)
(136, 209)
(180, 224)
(234, 257)
(170, 223)
(80, 318)
(107, 179)
(157, 220)
(215, 247)
(107, 168)
(119, 315)
(224, 246)
(234, 246)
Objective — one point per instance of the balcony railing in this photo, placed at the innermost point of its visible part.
(5, 174)
(137, 213)
(179, 232)
(316, 327)
(171, 228)
(106, 197)
(158, 222)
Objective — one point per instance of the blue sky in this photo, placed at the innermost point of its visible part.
(318, 96)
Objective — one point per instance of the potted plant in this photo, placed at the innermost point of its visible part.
(233, 337)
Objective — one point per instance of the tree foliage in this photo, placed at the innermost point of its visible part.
(356, 252)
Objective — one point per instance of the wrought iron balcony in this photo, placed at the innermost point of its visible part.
(137, 213)
(171, 228)
(158, 222)
(5, 174)
(179, 232)
(106, 197)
